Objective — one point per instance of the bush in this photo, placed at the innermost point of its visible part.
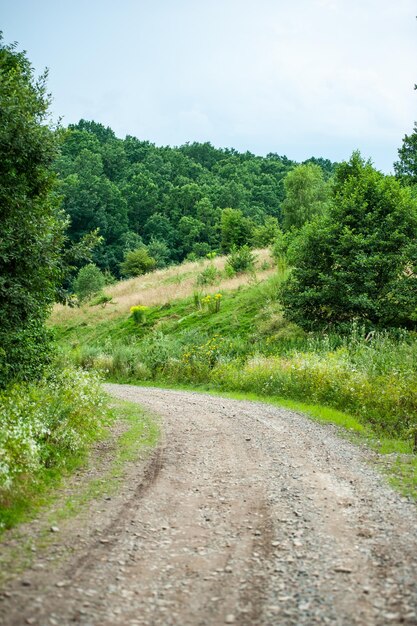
(240, 260)
(139, 313)
(101, 299)
(208, 276)
(373, 379)
(137, 262)
(44, 423)
(89, 281)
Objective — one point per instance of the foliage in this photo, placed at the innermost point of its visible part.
(44, 423)
(159, 251)
(406, 167)
(208, 276)
(279, 248)
(31, 227)
(88, 282)
(193, 199)
(236, 229)
(358, 262)
(265, 234)
(240, 260)
(139, 313)
(73, 255)
(137, 262)
(212, 302)
(306, 195)
(247, 345)
(101, 299)
(373, 380)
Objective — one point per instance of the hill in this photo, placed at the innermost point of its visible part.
(232, 336)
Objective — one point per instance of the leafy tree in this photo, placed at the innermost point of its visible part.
(307, 194)
(406, 167)
(236, 229)
(265, 234)
(92, 201)
(31, 231)
(190, 231)
(89, 281)
(73, 255)
(131, 186)
(137, 262)
(159, 251)
(130, 241)
(159, 227)
(358, 262)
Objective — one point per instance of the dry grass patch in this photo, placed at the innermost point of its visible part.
(160, 287)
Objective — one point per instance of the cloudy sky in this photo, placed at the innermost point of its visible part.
(301, 78)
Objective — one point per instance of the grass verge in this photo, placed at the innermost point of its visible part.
(139, 433)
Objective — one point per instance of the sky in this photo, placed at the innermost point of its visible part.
(302, 78)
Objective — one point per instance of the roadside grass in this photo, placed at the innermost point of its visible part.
(33, 495)
(140, 437)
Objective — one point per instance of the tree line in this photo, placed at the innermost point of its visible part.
(176, 203)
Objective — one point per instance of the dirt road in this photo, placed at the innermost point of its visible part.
(247, 515)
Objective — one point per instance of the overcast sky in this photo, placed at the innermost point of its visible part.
(301, 78)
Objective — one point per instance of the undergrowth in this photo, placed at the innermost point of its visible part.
(46, 430)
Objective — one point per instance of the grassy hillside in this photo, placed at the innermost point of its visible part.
(240, 342)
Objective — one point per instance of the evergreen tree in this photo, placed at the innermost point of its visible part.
(358, 262)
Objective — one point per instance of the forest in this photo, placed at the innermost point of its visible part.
(179, 203)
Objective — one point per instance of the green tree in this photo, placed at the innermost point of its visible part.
(89, 281)
(137, 262)
(406, 167)
(358, 262)
(265, 234)
(306, 194)
(159, 251)
(31, 232)
(236, 229)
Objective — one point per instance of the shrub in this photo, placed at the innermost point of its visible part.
(101, 299)
(240, 260)
(208, 276)
(44, 423)
(139, 313)
(137, 262)
(89, 281)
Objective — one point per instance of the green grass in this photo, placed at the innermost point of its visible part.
(366, 386)
(141, 436)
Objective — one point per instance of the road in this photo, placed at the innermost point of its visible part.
(246, 514)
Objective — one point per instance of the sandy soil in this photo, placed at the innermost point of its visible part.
(245, 514)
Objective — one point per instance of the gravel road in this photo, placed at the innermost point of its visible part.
(246, 514)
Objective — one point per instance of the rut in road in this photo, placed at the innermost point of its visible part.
(246, 514)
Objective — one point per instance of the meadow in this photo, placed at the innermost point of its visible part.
(232, 336)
